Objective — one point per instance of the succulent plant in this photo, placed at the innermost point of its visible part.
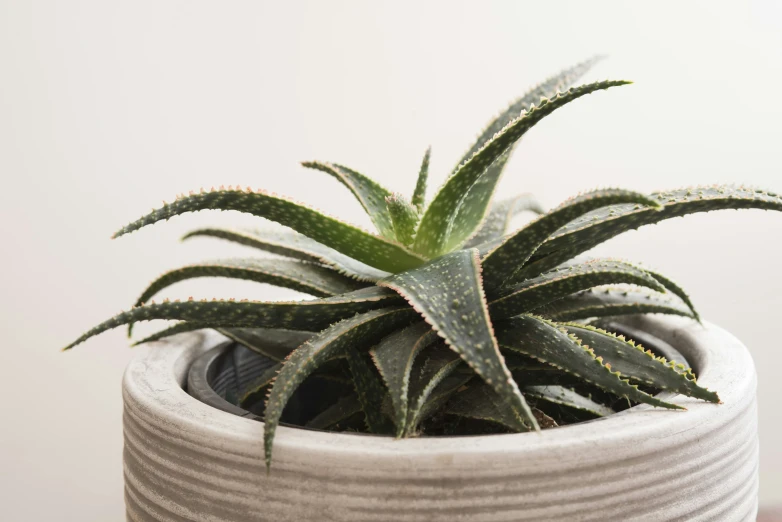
(445, 321)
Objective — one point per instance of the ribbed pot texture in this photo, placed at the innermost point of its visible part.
(185, 460)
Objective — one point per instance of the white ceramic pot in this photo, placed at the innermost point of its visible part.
(185, 460)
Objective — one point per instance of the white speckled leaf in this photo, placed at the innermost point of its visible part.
(367, 191)
(634, 361)
(439, 227)
(447, 292)
(394, 357)
(497, 221)
(567, 397)
(534, 293)
(503, 262)
(376, 251)
(292, 244)
(550, 343)
(612, 301)
(333, 342)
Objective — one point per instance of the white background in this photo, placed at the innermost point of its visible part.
(108, 107)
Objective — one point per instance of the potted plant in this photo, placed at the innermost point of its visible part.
(416, 383)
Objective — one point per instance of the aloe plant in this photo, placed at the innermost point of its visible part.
(446, 320)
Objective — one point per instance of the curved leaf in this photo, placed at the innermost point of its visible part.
(447, 292)
(558, 283)
(369, 389)
(343, 409)
(274, 343)
(304, 277)
(672, 287)
(419, 194)
(292, 244)
(394, 357)
(439, 228)
(434, 380)
(497, 221)
(609, 302)
(502, 263)
(601, 225)
(296, 315)
(634, 361)
(550, 343)
(482, 402)
(545, 89)
(178, 328)
(258, 389)
(326, 345)
(372, 250)
(566, 397)
(367, 191)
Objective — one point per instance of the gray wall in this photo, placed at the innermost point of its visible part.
(108, 107)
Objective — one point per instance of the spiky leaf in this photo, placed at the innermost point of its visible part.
(296, 315)
(372, 250)
(292, 244)
(609, 302)
(567, 397)
(601, 225)
(304, 277)
(367, 191)
(394, 357)
(672, 287)
(434, 379)
(403, 216)
(448, 293)
(545, 89)
(274, 343)
(558, 283)
(497, 221)
(369, 389)
(175, 329)
(343, 409)
(439, 228)
(482, 402)
(634, 361)
(419, 194)
(502, 263)
(328, 344)
(550, 343)
(257, 390)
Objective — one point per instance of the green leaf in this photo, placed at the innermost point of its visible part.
(601, 225)
(545, 89)
(608, 302)
(550, 343)
(296, 315)
(330, 343)
(372, 250)
(292, 244)
(301, 276)
(434, 379)
(534, 293)
(502, 263)
(498, 220)
(178, 328)
(419, 194)
(447, 292)
(274, 343)
(439, 227)
(672, 287)
(403, 216)
(634, 361)
(482, 402)
(368, 192)
(257, 390)
(369, 389)
(343, 409)
(566, 397)
(394, 357)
